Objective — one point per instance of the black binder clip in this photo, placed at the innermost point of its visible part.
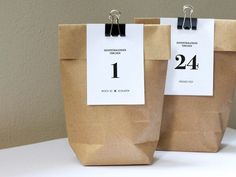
(185, 22)
(115, 28)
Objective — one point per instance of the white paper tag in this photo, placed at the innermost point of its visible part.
(190, 70)
(115, 66)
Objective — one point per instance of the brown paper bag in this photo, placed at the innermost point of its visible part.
(193, 123)
(113, 135)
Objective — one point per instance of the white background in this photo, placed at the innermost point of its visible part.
(56, 159)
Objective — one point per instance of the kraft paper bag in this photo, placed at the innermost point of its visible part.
(198, 123)
(113, 135)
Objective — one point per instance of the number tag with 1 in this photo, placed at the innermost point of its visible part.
(115, 66)
(190, 70)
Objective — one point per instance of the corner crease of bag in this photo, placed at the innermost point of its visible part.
(113, 135)
(193, 123)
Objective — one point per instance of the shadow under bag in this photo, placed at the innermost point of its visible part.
(113, 135)
(198, 123)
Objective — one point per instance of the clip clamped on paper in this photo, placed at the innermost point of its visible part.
(185, 22)
(115, 28)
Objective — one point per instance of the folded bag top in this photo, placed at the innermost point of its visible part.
(198, 123)
(113, 135)
(225, 32)
(73, 41)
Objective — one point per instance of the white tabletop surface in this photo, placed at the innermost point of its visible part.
(56, 159)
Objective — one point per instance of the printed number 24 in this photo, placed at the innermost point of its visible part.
(192, 63)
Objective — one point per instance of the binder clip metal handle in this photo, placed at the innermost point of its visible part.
(185, 22)
(115, 28)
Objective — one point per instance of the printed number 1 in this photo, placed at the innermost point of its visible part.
(115, 72)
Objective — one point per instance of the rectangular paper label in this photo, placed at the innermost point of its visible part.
(191, 68)
(115, 66)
